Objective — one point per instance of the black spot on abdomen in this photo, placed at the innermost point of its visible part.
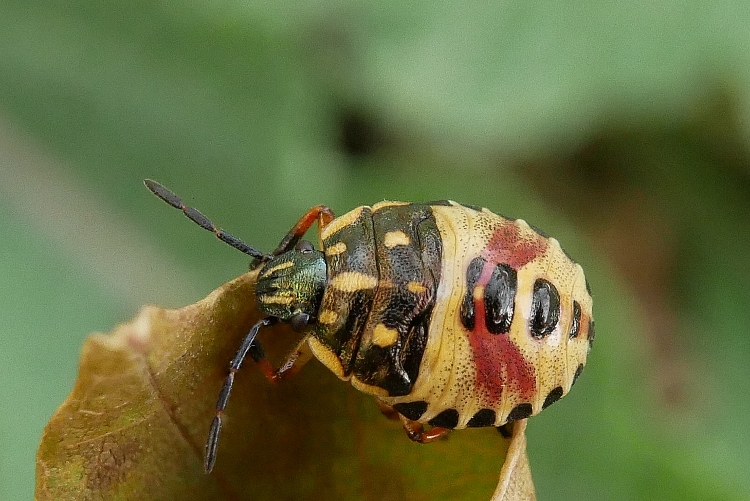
(579, 370)
(484, 417)
(553, 397)
(499, 299)
(520, 411)
(446, 419)
(575, 327)
(473, 272)
(545, 309)
(411, 410)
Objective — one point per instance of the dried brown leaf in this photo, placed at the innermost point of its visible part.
(135, 423)
(515, 482)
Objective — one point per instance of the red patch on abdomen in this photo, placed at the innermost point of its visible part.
(507, 246)
(500, 365)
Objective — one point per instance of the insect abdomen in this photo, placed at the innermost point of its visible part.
(509, 330)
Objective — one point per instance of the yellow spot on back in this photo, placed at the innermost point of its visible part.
(353, 281)
(394, 238)
(340, 222)
(387, 203)
(416, 287)
(278, 267)
(336, 249)
(383, 336)
(276, 299)
(328, 317)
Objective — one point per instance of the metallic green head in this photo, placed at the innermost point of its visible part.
(291, 285)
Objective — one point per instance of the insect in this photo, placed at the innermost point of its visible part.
(450, 315)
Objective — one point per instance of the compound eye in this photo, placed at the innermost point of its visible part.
(299, 321)
(304, 247)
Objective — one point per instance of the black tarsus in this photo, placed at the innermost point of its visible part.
(198, 218)
(221, 403)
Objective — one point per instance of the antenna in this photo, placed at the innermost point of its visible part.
(198, 218)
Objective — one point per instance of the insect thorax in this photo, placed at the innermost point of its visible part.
(383, 272)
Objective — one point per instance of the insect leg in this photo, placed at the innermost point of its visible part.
(291, 365)
(320, 213)
(221, 403)
(415, 431)
(388, 411)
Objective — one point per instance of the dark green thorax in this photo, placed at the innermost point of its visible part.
(292, 283)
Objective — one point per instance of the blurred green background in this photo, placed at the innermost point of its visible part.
(619, 127)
